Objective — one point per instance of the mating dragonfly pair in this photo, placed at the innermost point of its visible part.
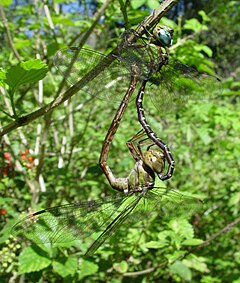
(145, 58)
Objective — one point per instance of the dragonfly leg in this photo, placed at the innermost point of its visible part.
(136, 152)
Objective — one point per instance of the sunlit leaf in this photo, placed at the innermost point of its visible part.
(32, 260)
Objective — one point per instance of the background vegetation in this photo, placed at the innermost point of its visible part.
(54, 159)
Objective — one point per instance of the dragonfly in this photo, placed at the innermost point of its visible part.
(141, 60)
(140, 198)
(78, 221)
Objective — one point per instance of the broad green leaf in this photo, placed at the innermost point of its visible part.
(168, 23)
(87, 268)
(153, 4)
(204, 48)
(26, 72)
(21, 43)
(32, 260)
(195, 25)
(137, 3)
(182, 270)
(65, 266)
(197, 263)
(121, 267)
(181, 227)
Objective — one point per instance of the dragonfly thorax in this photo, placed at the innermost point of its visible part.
(141, 177)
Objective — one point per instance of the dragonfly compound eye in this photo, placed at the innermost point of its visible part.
(164, 35)
(155, 160)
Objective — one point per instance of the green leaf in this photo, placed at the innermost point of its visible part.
(121, 267)
(197, 263)
(33, 259)
(182, 270)
(195, 25)
(5, 2)
(137, 3)
(65, 266)
(204, 135)
(2, 77)
(87, 268)
(204, 48)
(153, 4)
(192, 242)
(22, 43)
(26, 72)
(204, 16)
(181, 227)
(154, 245)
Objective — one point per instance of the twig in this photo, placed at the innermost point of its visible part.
(9, 38)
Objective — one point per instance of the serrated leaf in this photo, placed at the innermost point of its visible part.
(33, 259)
(87, 268)
(121, 267)
(66, 266)
(182, 270)
(26, 72)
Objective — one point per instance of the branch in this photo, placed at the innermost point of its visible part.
(149, 22)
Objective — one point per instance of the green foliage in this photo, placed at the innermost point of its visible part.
(54, 161)
(31, 260)
(25, 73)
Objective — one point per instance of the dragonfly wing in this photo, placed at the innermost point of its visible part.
(124, 214)
(69, 222)
(109, 77)
(176, 84)
(172, 204)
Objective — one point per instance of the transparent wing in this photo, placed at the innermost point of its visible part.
(177, 85)
(109, 77)
(68, 222)
(171, 84)
(78, 221)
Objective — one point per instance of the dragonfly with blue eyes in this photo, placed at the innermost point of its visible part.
(146, 59)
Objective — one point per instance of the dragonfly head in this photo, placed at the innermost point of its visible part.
(155, 160)
(163, 36)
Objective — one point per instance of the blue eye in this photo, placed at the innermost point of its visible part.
(165, 36)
